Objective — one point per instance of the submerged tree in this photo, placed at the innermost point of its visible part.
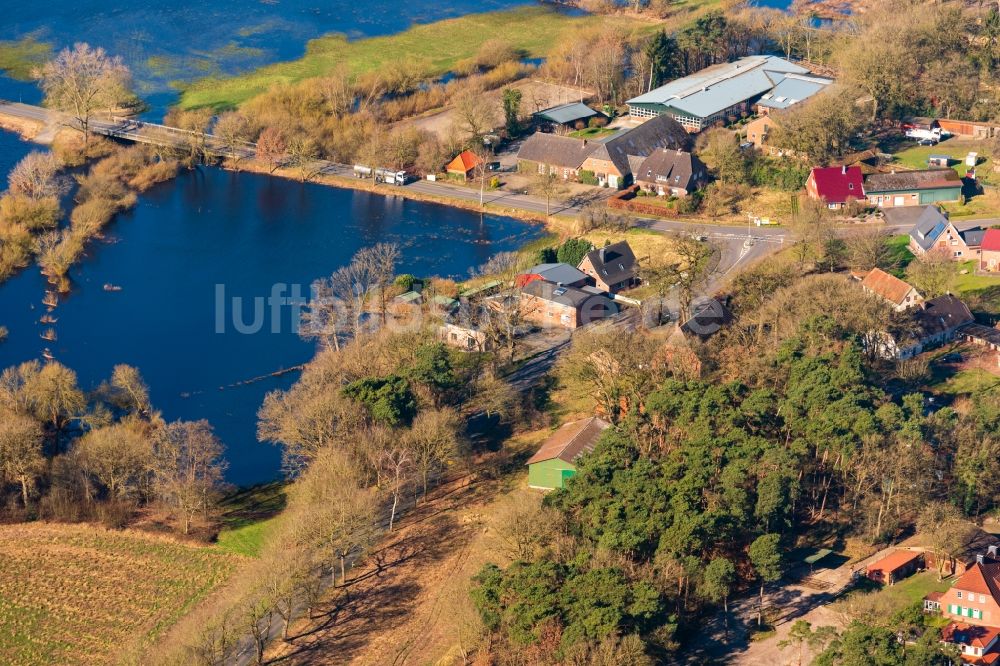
(82, 80)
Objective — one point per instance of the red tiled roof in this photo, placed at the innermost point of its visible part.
(991, 240)
(889, 287)
(837, 185)
(894, 561)
(969, 634)
(464, 162)
(934, 596)
(981, 579)
(571, 440)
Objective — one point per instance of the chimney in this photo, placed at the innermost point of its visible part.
(979, 559)
(992, 550)
(601, 255)
(843, 169)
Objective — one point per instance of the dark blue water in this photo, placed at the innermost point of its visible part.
(243, 231)
(181, 40)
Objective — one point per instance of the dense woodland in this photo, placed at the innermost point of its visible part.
(778, 433)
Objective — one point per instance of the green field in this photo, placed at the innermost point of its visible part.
(75, 594)
(19, 57)
(437, 46)
(592, 133)
(248, 517)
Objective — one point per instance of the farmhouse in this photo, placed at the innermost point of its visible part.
(614, 159)
(555, 462)
(895, 566)
(934, 232)
(989, 257)
(897, 293)
(973, 606)
(716, 93)
(612, 267)
(932, 323)
(673, 173)
(550, 304)
(835, 185)
(554, 154)
(913, 188)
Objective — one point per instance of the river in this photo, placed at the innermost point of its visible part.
(246, 232)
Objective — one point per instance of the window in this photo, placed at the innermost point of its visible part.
(850, 186)
(977, 614)
(982, 598)
(958, 594)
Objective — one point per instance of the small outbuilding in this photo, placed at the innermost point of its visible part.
(895, 566)
(938, 160)
(568, 115)
(464, 164)
(555, 462)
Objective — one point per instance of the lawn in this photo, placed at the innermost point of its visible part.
(894, 598)
(592, 133)
(247, 518)
(84, 594)
(968, 382)
(438, 47)
(915, 157)
(899, 255)
(647, 245)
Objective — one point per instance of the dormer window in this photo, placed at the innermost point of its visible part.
(621, 267)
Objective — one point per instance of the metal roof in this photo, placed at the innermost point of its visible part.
(567, 113)
(559, 273)
(721, 86)
(793, 89)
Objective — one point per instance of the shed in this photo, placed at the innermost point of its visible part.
(567, 114)
(555, 462)
(938, 160)
(895, 566)
(464, 164)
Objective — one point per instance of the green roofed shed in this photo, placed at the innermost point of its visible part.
(564, 114)
(555, 462)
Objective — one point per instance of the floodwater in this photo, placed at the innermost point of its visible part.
(213, 230)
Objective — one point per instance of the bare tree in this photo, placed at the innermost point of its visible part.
(82, 80)
(21, 458)
(37, 176)
(271, 147)
(433, 441)
(547, 185)
(337, 89)
(234, 130)
(498, 316)
(303, 155)
(188, 468)
(475, 114)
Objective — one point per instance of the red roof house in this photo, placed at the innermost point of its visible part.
(836, 185)
(989, 251)
(464, 164)
(895, 566)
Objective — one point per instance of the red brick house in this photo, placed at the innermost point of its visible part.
(836, 185)
(550, 304)
(895, 566)
(973, 606)
(989, 251)
(612, 267)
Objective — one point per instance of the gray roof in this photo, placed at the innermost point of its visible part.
(793, 89)
(567, 113)
(973, 237)
(642, 141)
(984, 333)
(928, 227)
(550, 291)
(559, 273)
(719, 87)
(675, 168)
(554, 150)
(614, 263)
(905, 181)
(941, 314)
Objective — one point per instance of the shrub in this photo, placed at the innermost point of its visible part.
(404, 281)
(27, 213)
(587, 177)
(597, 121)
